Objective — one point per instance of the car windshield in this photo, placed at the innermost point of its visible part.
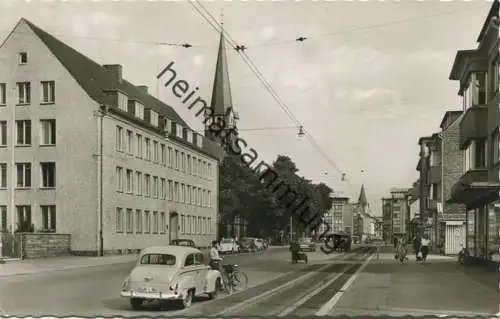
(226, 241)
(158, 259)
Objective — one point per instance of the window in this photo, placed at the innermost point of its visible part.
(48, 91)
(182, 191)
(130, 142)
(139, 145)
(147, 185)
(130, 181)
(496, 146)
(434, 191)
(199, 225)
(48, 217)
(475, 93)
(3, 94)
(193, 196)
(23, 93)
(209, 171)
(155, 152)
(119, 138)
(163, 191)
(183, 225)
(176, 159)
(48, 174)
(209, 225)
(155, 222)
(24, 214)
(139, 110)
(194, 166)
(3, 133)
(147, 222)
(155, 186)
(204, 226)
(176, 191)
(162, 222)
(170, 190)
(183, 162)
(480, 153)
(494, 78)
(170, 157)
(147, 144)
(23, 57)
(139, 183)
(163, 155)
(48, 132)
(122, 101)
(23, 132)
(130, 220)
(153, 117)
(189, 260)
(188, 194)
(3, 217)
(3, 175)
(119, 179)
(199, 168)
(119, 220)
(138, 221)
(23, 175)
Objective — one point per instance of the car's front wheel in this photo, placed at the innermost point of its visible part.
(187, 300)
(136, 303)
(213, 295)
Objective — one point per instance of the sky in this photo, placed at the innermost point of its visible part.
(369, 80)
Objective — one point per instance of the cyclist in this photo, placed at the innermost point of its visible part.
(215, 263)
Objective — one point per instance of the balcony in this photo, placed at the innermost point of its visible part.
(474, 125)
(472, 187)
(435, 174)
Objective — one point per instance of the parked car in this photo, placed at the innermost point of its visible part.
(182, 242)
(170, 273)
(307, 244)
(247, 244)
(228, 245)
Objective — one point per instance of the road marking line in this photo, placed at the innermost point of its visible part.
(328, 306)
(249, 302)
(313, 293)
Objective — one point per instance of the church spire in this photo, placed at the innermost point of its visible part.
(362, 201)
(221, 91)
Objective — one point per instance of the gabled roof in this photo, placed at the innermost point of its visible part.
(94, 78)
(449, 114)
(492, 13)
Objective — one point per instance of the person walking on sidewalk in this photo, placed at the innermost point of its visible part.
(401, 250)
(417, 244)
(424, 248)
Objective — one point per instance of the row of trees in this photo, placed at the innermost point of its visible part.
(243, 192)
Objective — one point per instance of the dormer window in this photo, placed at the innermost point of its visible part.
(139, 110)
(168, 126)
(199, 140)
(122, 102)
(23, 57)
(189, 136)
(153, 118)
(179, 130)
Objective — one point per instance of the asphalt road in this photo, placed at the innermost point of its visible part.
(95, 291)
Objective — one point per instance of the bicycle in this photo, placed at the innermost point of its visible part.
(237, 280)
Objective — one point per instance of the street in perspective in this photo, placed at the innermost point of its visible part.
(250, 159)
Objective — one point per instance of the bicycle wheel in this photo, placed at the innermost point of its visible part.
(239, 280)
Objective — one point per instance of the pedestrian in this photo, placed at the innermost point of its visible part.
(395, 242)
(401, 250)
(424, 248)
(417, 244)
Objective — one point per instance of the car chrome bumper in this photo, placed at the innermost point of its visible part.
(151, 295)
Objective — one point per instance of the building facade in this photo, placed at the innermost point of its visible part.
(387, 233)
(340, 205)
(399, 209)
(477, 72)
(85, 152)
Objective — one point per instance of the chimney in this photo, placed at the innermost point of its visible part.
(143, 88)
(116, 69)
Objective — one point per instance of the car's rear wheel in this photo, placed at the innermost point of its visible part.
(187, 300)
(136, 303)
(213, 295)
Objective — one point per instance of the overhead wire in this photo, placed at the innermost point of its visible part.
(219, 28)
(272, 43)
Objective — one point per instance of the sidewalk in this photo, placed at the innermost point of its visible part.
(442, 286)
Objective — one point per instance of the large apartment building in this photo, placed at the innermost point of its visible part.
(85, 152)
(477, 74)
